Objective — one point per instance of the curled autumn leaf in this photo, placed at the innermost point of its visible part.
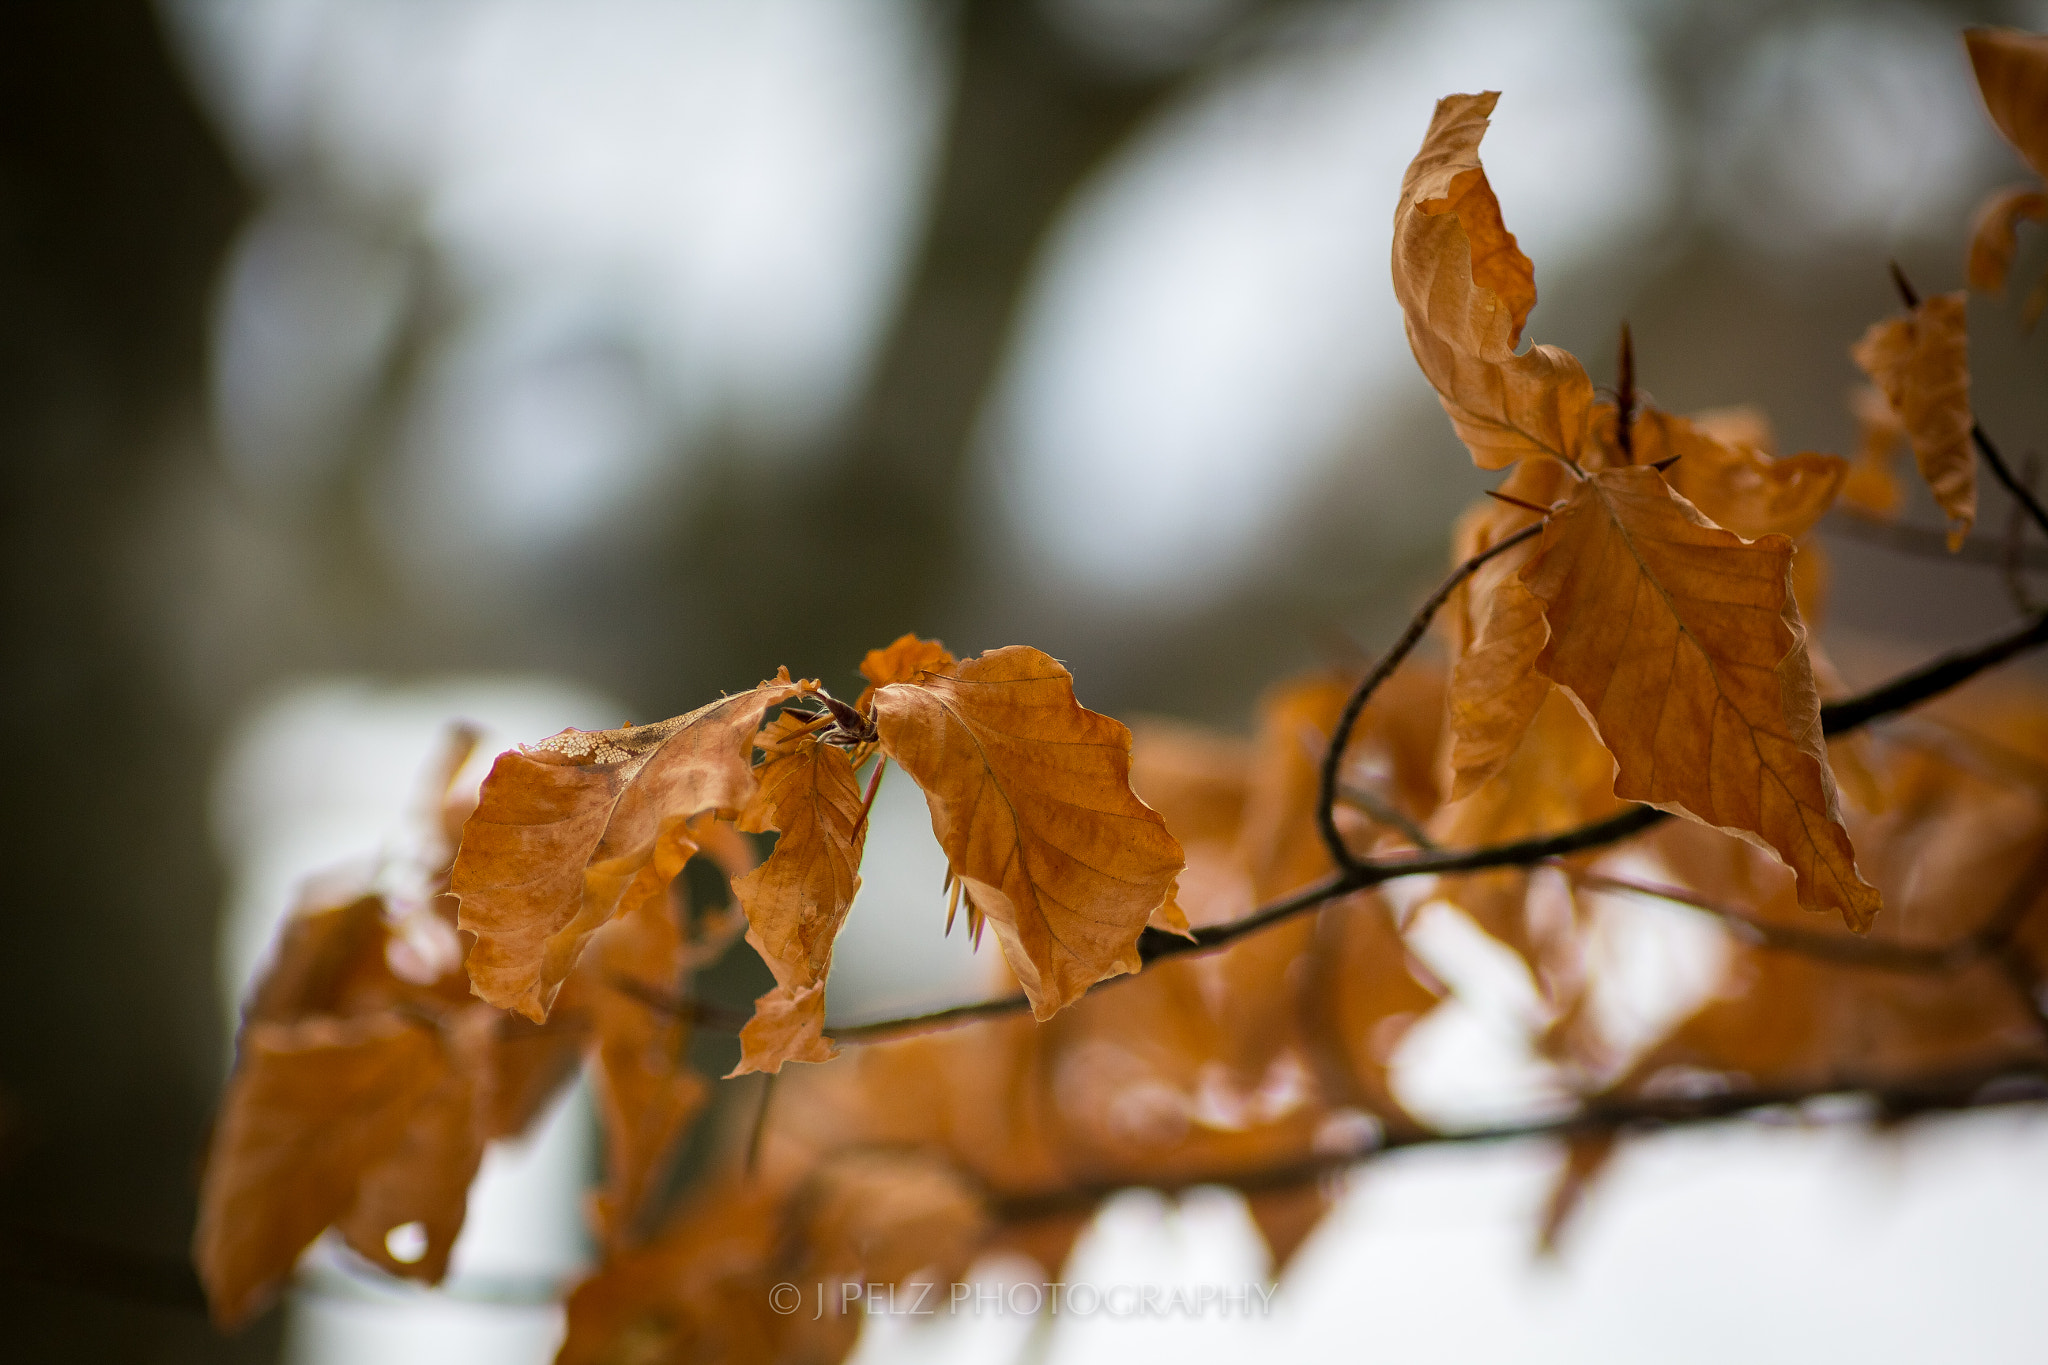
(359, 1099)
(1680, 642)
(1030, 798)
(317, 1104)
(902, 660)
(796, 901)
(2012, 75)
(1871, 486)
(584, 826)
(1921, 362)
(1466, 289)
(1495, 688)
(1994, 234)
(1736, 482)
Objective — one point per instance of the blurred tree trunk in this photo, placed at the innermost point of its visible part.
(875, 542)
(116, 205)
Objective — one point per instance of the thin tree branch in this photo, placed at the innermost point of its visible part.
(1333, 757)
(1929, 680)
(2019, 490)
(1931, 542)
(1850, 952)
(1892, 1099)
(1386, 813)
(1937, 1092)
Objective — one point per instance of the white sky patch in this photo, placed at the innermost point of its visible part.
(1215, 316)
(1471, 1061)
(331, 775)
(730, 191)
(893, 956)
(1858, 124)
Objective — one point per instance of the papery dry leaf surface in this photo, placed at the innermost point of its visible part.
(585, 826)
(1679, 640)
(1921, 362)
(1030, 798)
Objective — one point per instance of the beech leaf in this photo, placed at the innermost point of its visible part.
(586, 825)
(797, 899)
(1922, 363)
(1466, 289)
(902, 660)
(2012, 75)
(1495, 689)
(1872, 487)
(1682, 645)
(1994, 234)
(1030, 797)
(316, 1103)
(1736, 484)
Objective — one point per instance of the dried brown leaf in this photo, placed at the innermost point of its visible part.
(1465, 290)
(1994, 234)
(1681, 643)
(797, 900)
(1922, 363)
(1495, 689)
(1030, 798)
(315, 1104)
(586, 825)
(1872, 486)
(1739, 486)
(2012, 75)
(425, 1179)
(903, 660)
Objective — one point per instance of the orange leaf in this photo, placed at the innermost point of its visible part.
(586, 825)
(425, 1179)
(1465, 290)
(798, 898)
(1560, 777)
(1681, 643)
(315, 1104)
(1031, 800)
(1739, 485)
(1994, 234)
(901, 661)
(700, 1291)
(1871, 487)
(2012, 75)
(644, 1090)
(1922, 363)
(1495, 689)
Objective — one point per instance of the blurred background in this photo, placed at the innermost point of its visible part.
(367, 363)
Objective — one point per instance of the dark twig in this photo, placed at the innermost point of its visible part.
(2022, 494)
(1625, 399)
(1386, 813)
(1333, 757)
(1845, 951)
(1891, 1098)
(1839, 718)
(1930, 542)
(760, 1129)
(2015, 551)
